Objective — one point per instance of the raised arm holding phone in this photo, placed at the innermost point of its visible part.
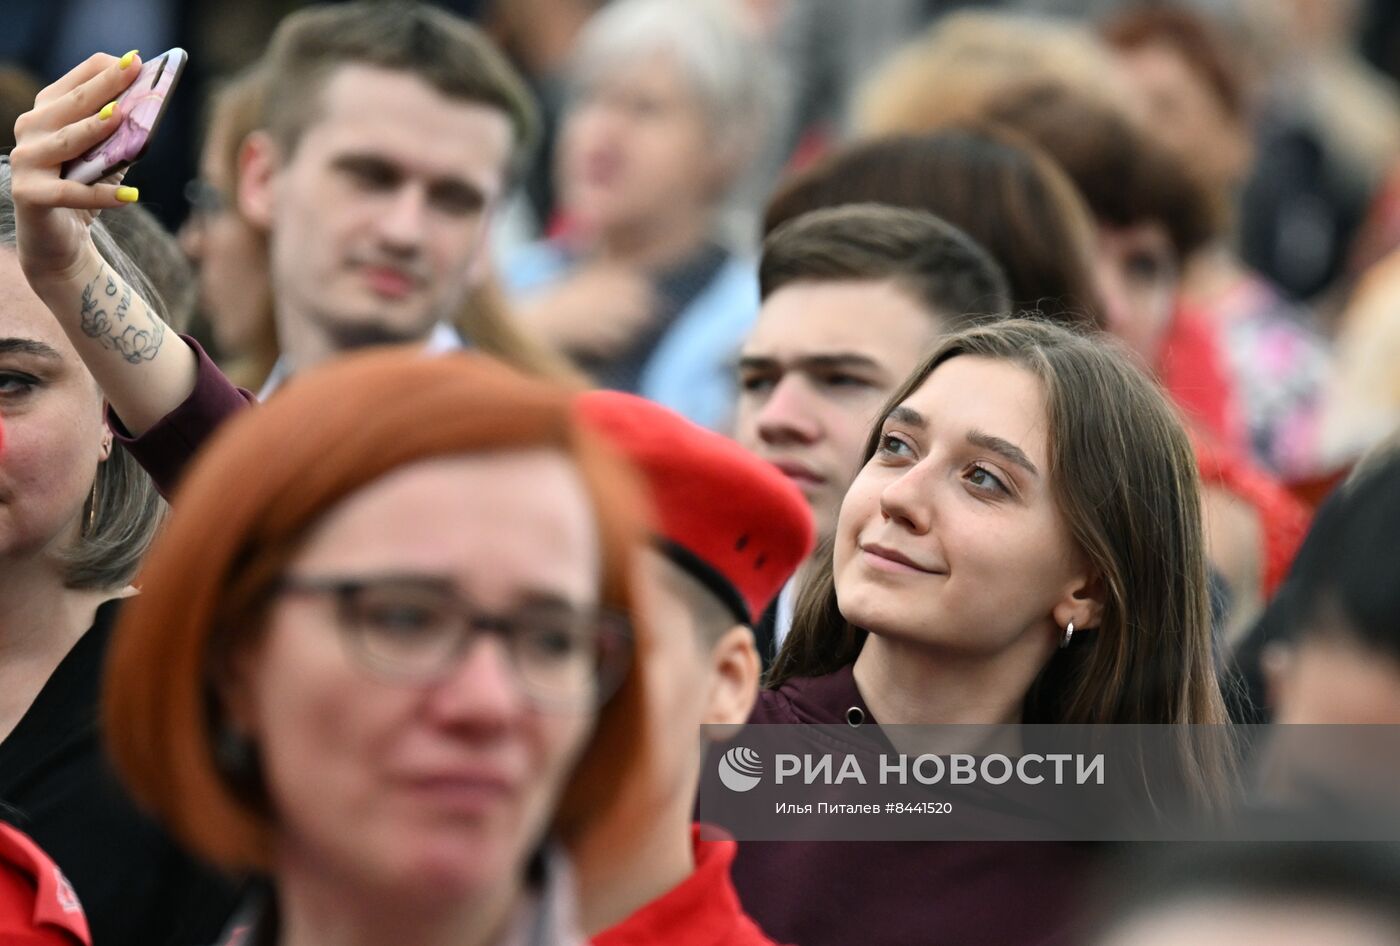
(144, 368)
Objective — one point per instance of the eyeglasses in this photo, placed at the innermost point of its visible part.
(204, 198)
(416, 629)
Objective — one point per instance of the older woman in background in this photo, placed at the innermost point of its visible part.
(1181, 68)
(637, 284)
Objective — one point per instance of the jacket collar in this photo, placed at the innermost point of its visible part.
(443, 338)
(832, 698)
(548, 916)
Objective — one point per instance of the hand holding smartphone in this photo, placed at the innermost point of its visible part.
(141, 108)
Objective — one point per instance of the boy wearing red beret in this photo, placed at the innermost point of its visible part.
(730, 530)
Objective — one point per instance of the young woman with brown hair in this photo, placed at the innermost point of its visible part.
(1120, 498)
(1022, 544)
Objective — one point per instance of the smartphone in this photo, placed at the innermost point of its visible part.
(141, 107)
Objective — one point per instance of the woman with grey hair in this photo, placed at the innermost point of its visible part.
(76, 517)
(668, 108)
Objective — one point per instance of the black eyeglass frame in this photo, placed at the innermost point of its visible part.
(613, 644)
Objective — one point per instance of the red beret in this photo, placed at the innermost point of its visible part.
(730, 519)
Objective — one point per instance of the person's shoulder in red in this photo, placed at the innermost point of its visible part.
(703, 910)
(37, 904)
(1283, 518)
(1193, 371)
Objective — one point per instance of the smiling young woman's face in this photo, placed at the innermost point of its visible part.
(950, 534)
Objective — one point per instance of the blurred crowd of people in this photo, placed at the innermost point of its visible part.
(522, 395)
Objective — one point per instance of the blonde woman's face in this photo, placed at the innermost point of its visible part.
(54, 434)
(434, 788)
(950, 535)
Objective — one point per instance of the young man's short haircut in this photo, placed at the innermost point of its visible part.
(443, 50)
(711, 617)
(942, 267)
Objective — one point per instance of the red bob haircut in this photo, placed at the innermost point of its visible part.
(241, 514)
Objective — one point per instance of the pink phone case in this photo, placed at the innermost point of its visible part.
(142, 105)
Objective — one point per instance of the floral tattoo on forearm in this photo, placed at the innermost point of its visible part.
(137, 336)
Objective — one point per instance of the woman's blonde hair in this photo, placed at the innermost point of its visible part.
(947, 75)
(124, 510)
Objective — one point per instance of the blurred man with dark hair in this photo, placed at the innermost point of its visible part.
(1236, 894)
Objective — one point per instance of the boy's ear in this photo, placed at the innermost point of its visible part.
(734, 672)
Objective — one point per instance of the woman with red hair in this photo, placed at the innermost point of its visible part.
(381, 656)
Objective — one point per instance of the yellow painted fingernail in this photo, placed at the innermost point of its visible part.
(128, 195)
(107, 111)
(128, 59)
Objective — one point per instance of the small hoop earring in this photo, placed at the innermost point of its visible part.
(1069, 633)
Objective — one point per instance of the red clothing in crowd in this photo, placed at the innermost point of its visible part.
(1283, 519)
(37, 904)
(1194, 373)
(703, 910)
